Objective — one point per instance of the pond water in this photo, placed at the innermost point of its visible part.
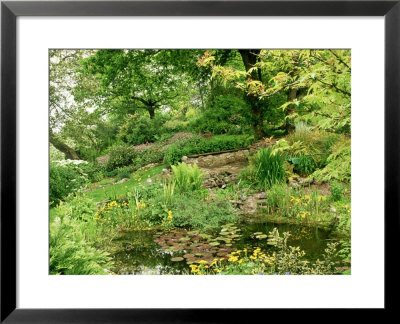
(151, 251)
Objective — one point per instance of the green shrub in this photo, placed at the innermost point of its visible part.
(64, 180)
(123, 174)
(120, 156)
(141, 129)
(227, 115)
(279, 201)
(149, 155)
(189, 210)
(316, 144)
(94, 171)
(71, 254)
(187, 177)
(337, 191)
(303, 164)
(165, 206)
(197, 213)
(338, 163)
(269, 168)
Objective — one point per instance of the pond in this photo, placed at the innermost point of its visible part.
(155, 252)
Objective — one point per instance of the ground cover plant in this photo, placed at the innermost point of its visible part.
(204, 162)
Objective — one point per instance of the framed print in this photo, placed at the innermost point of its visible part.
(173, 139)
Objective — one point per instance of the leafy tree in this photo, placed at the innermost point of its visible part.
(62, 107)
(317, 84)
(131, 80)
(326, 77)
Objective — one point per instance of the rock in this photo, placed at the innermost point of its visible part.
(294, 184)
(184, 159)
(304, 181)
(218, 160)
(122, 180)
(223, 186)
(148, 166)
(250, 206)
(165, 171)
(261, 195)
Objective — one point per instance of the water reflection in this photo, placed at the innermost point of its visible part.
(136, 252)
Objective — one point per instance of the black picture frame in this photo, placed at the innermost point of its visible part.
(10, 10)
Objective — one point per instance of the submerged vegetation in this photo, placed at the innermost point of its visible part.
(200, 162)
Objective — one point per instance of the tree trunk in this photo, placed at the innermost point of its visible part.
(292, 95)
(61, 146)
(249, 58)
(151, 110)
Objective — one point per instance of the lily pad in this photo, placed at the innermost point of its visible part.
(262, 236)
(214, 243)
(177, 259)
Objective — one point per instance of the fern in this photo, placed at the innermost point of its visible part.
(338, 164)
(187, 177)
(71, 254)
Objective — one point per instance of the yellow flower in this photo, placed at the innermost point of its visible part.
(233, 258)
(203, 262)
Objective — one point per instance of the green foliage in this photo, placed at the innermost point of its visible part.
(189, 210)
(307, 150)
(337, 191)
(227, 115)
(198, 145)
(269, 168)
(187, 177)
(123, 174)
(299, 206)
(114, 214)
(120, 156)
(94, 171)
(338, 165)
(141, 129)
(64, 180)
(168, 191)
(56, 155)
(303, 164)
(146, 156)
(345, 254)
(71, 254)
